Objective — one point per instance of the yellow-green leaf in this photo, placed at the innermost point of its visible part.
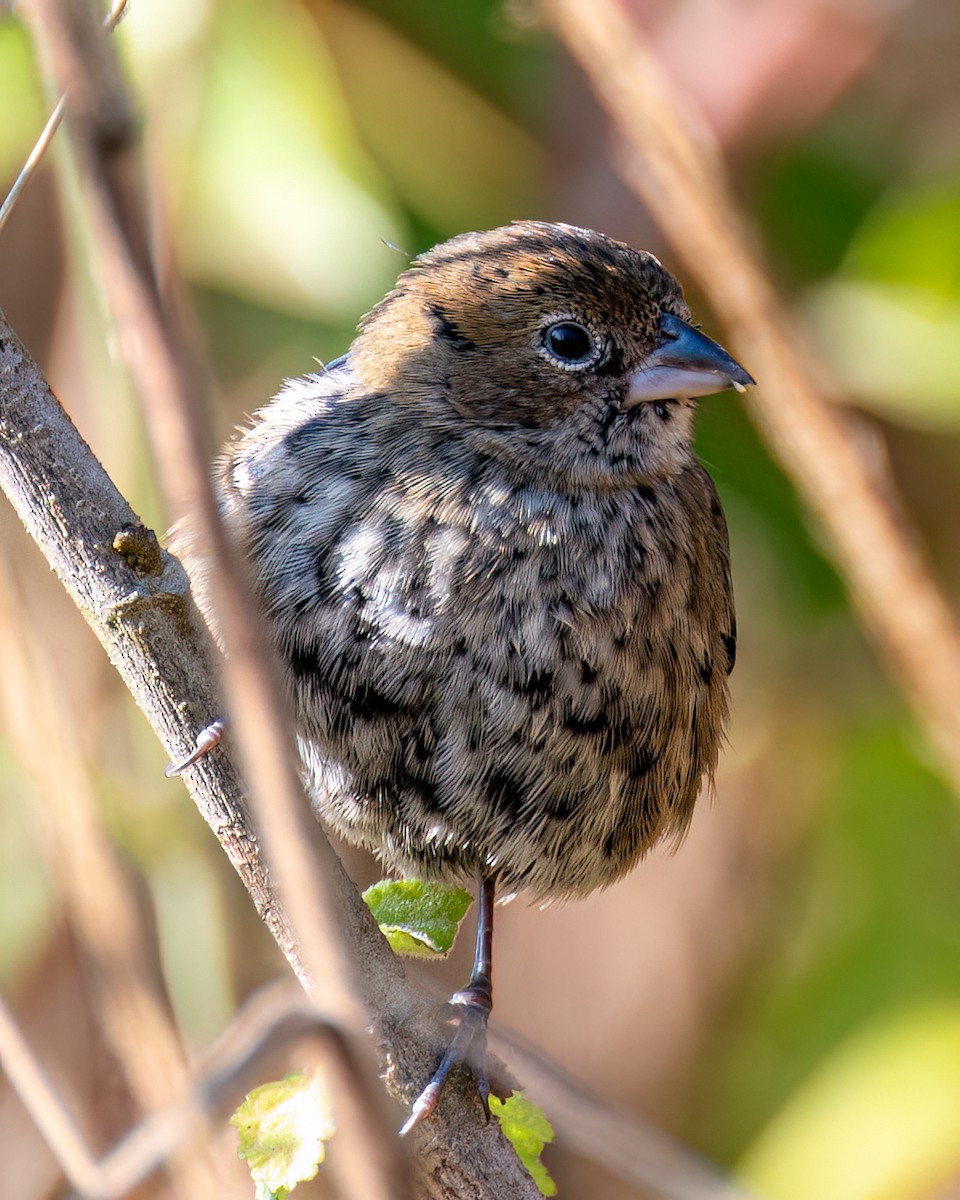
(281, 1131)
(527, 1129)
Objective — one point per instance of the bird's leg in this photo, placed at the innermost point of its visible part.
(469, 1044)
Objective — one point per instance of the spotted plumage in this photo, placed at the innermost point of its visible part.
(496, 575)
(501, 592)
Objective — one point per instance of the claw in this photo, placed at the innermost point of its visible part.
(207, 738)
(467, 1048)
(423, 1106)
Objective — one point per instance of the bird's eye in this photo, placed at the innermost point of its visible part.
(569, 342)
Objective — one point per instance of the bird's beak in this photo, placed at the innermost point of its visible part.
(684, 364)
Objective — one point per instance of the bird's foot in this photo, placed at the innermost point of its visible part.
(207, 738)
(467, 1048)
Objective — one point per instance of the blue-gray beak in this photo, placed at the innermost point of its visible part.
(686, 363)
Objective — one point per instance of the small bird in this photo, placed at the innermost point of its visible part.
(496, 575)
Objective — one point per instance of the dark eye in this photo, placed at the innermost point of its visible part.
(568, 341)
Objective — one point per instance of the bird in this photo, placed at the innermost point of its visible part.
(496, 575)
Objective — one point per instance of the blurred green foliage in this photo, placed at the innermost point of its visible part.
(21, 108)
(870, 927)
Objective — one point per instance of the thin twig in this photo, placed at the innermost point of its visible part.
(626, 1145)
(43, 1103)
(270, 1020)
(154, 1142)
(33, 161)
(110, 22)
(676, 172)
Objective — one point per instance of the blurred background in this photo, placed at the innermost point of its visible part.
(782, 992)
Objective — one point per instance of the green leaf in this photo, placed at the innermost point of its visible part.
(417, 918)
(527, 1129)
(281, 1130)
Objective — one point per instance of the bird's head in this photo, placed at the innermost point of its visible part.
(549, 344)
